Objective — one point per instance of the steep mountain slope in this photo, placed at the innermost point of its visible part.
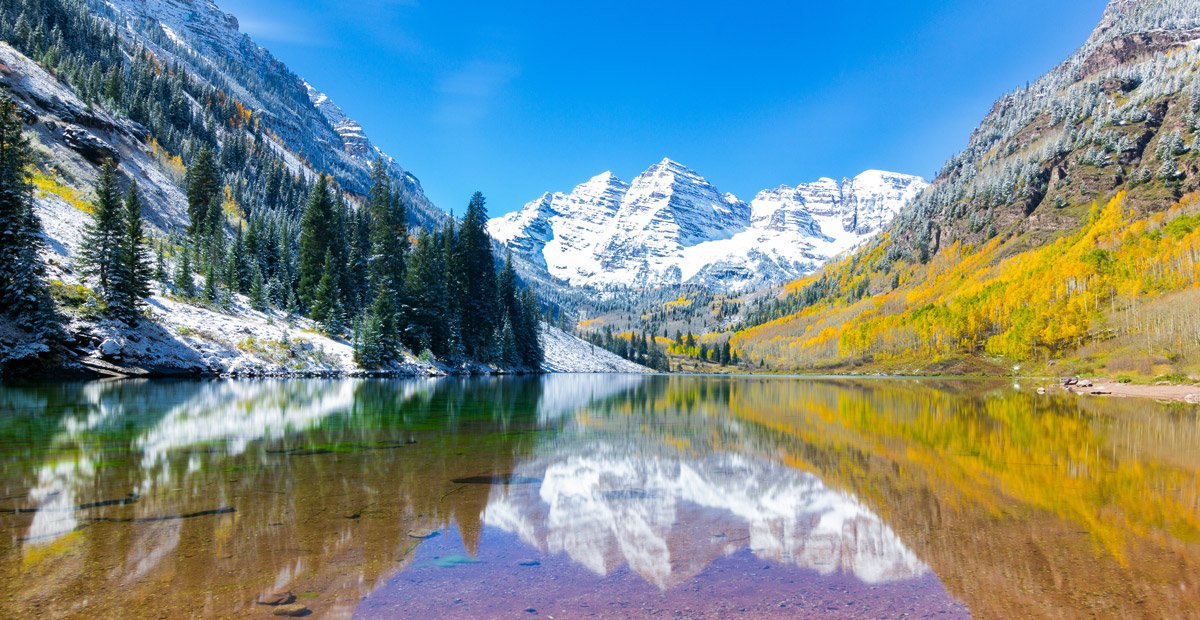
(206, 42)
(671, 226)
(1065, 230)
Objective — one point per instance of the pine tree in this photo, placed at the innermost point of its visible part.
(453, 292)
(210, 283)
(203, 185)
(316, 236)
(326, 304)
(102, 235)
(160, 265)
(530, 351)
(476, 268)
(379, 342)
(184, 284)
(358, 284)
(24, 295)
(258, 291)
(240, 273)
(425, 291)
(507, 346)
(132, 270)
(389, 239)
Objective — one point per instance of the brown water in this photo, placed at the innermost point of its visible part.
(595, 497)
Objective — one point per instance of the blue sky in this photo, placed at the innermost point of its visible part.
(517, 98)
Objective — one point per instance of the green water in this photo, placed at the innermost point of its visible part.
(595, 496)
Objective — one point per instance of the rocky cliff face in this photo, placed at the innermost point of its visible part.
(671, 226)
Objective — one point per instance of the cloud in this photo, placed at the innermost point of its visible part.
(478, 79)
(468, 92)
(280, 31)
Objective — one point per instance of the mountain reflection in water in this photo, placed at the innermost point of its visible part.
(667, 514)
(636, 495)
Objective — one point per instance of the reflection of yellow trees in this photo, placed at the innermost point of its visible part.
(986, 451)
(1001, 300)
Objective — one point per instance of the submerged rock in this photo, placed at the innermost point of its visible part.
(276, 598)
(293, 610)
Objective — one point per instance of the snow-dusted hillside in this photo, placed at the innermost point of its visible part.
(672, 226)
(566, 353)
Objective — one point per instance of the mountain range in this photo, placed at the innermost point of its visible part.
(671, 226)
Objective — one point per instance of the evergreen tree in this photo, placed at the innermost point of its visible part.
(316, 237)
(507, 354)
(379, 343)
(131, 271)
(258, 291)
(358, 284)
(160, 265)
(476, 267)
(210, 283)
(203, 185)
(425, 290)
(185, 285)
(530, 350)
(24, 295)
(327, 304)
(102, 235)
(388, 236)
(453, 292)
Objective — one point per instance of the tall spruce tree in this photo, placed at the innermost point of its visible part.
(357, 287)
(453, 291)
(389, 238)
(316, 239)
(184, 284)
(103, 234)
(527, 330)
(131, 272)
(258, 290)
(327, 303)
(203, 185)
(24, 294)
(425, 290)
(379, 343)
(476, 266)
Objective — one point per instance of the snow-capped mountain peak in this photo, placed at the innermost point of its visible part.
(670, 225)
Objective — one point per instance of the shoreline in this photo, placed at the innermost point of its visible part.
(1103, 386)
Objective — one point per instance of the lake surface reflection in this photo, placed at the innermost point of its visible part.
(595, 497)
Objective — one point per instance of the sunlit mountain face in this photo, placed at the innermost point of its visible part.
(612, 496)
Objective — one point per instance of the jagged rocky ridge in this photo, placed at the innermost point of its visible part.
(671, 226)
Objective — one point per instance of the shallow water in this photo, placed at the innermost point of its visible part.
(595, 497)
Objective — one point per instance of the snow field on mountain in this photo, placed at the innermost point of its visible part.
(670, 226)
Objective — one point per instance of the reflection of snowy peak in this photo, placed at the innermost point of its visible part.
(670, 226)
(668, 517)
